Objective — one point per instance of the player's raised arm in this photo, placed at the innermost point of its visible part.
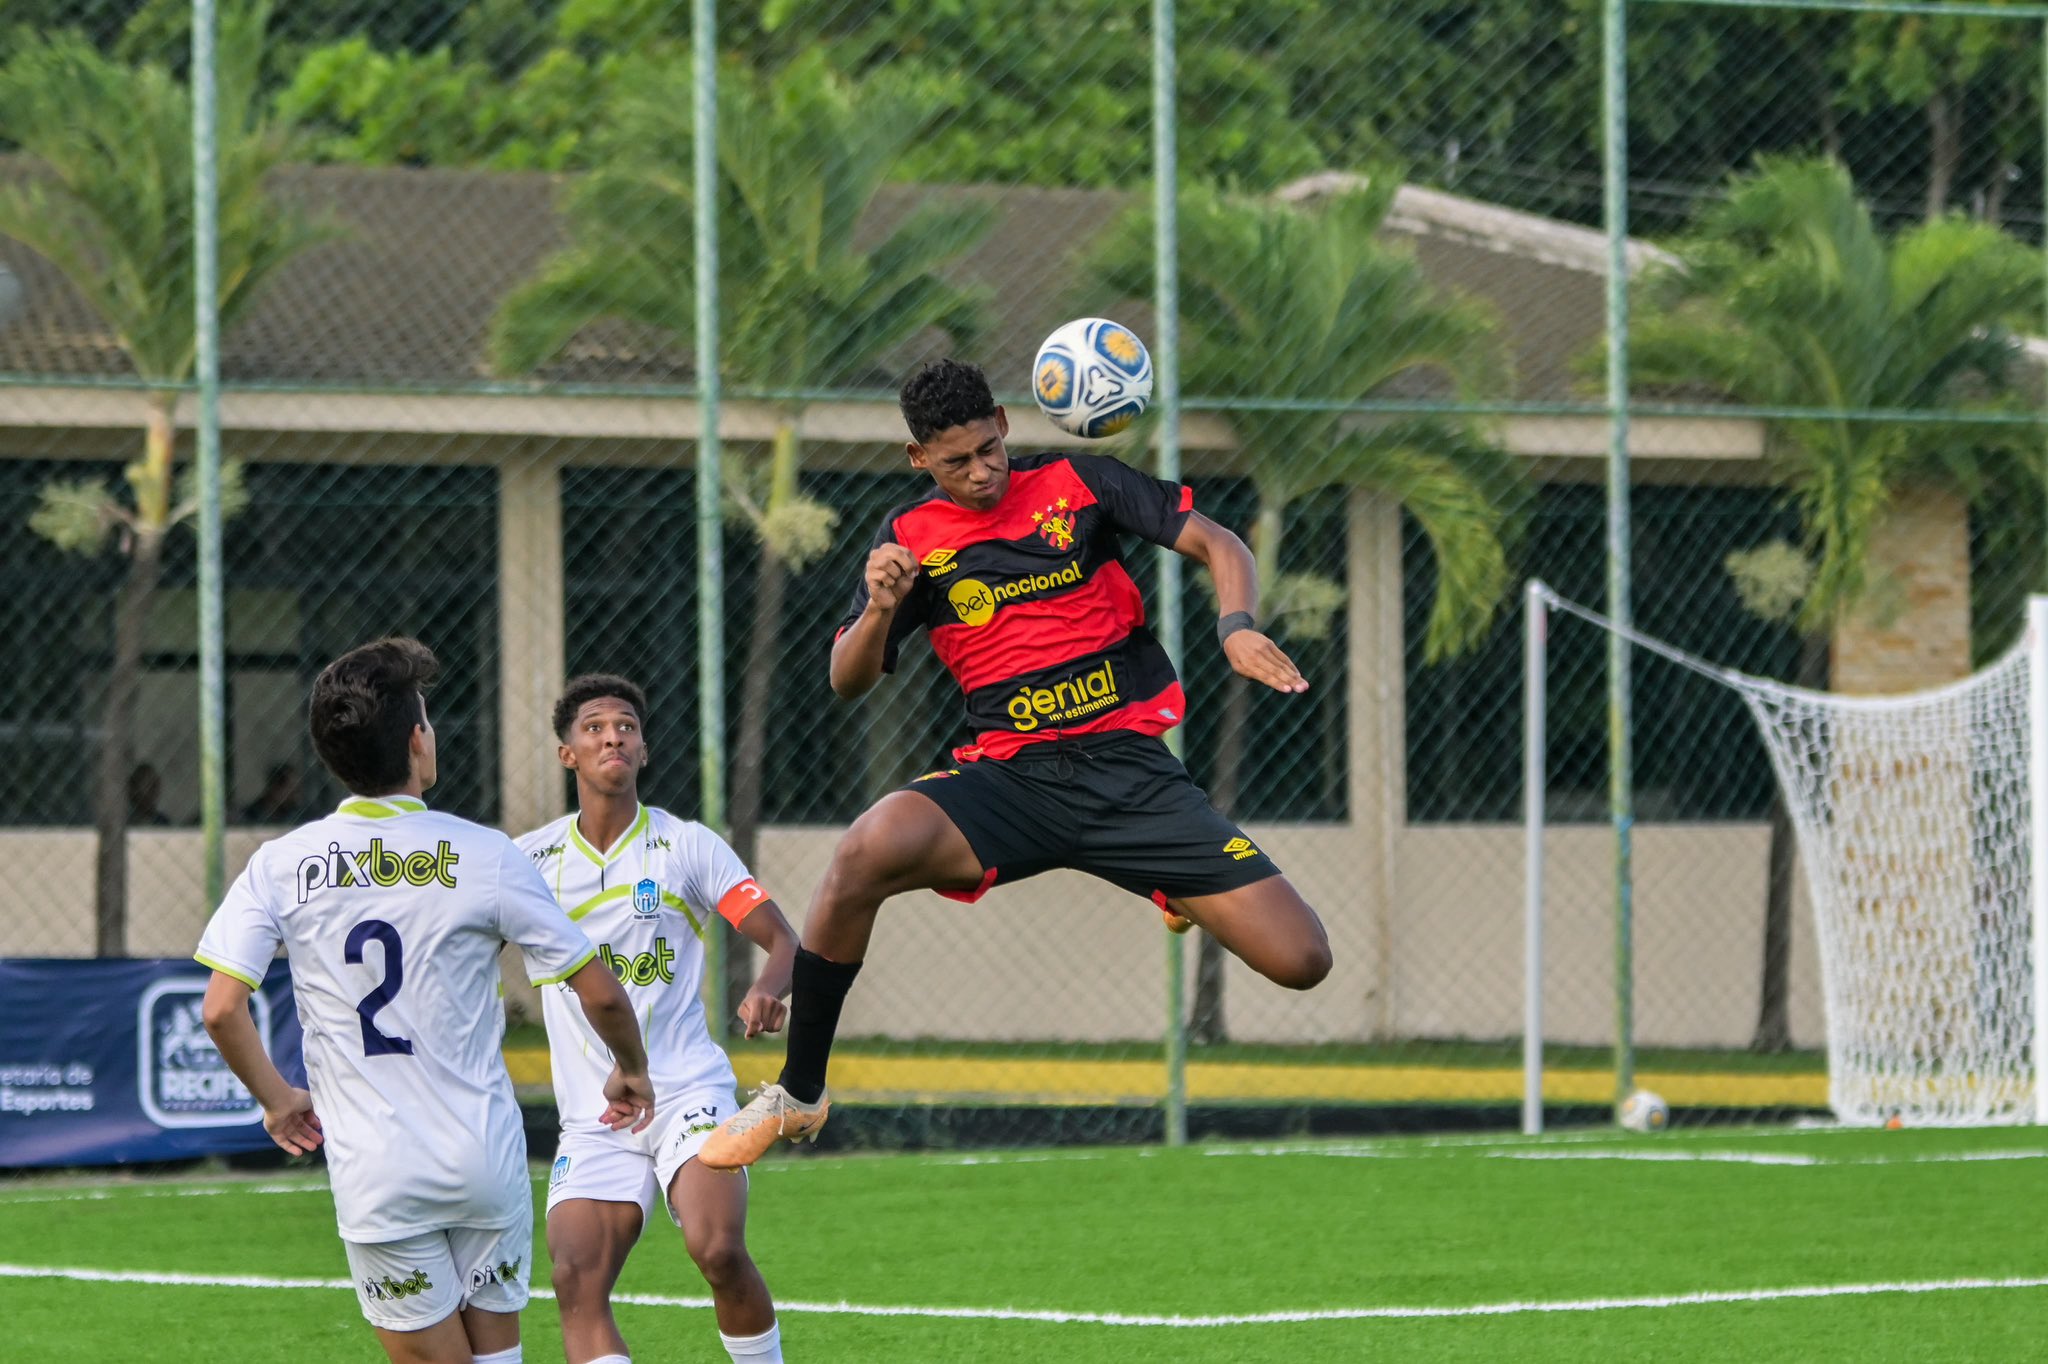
(1236, 575)
(287, 1111)
(866, 646)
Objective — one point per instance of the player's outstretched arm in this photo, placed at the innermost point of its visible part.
(861, 651)
(1236, 575)
(629, 1093)
(765, 927)
(287, 1112)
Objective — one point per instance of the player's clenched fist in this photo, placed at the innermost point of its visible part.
(891, 570)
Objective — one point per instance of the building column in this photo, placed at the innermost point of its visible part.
(532, 664)
(1912, 630)
(1375, 702)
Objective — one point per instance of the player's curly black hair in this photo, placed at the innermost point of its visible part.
(581, 691)
(942, 395)
(364, 708)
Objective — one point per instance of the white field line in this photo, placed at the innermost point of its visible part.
(1711, 1157)
(8, 1200)
(1483, 1309)
(1640, 1154)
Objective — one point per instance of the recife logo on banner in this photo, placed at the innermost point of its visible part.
(182, 1079)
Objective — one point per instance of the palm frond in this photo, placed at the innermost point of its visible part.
(109, 196)
(1786, 295)
(75, 515)
(1459, 489)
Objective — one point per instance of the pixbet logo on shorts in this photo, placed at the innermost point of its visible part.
(182, 1078)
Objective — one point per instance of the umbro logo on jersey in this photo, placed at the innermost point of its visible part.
(377, 866)
(647, 898)
(657, 841)
(1240, 848)
(940, 562)
(540, 855)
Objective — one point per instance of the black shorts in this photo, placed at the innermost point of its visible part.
(1119, 806)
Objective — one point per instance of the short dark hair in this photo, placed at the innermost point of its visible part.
(581, 691)
(942, 395)
(365, 707)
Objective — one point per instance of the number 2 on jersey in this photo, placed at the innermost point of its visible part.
(376, 1043)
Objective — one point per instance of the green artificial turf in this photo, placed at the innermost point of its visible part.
(1208, 1231)
(1412, 1052)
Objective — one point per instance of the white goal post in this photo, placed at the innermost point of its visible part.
(1917, 832)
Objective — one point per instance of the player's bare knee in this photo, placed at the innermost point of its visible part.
(722, 1260)
(1314, 966)
(577, 1277)
(1305, 966)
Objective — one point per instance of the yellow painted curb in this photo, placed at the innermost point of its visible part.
(954, 1079)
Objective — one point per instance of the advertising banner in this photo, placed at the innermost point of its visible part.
(107, 1062)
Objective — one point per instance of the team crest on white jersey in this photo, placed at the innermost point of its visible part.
(647, 898)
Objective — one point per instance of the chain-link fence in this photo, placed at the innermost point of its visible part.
(460, 399)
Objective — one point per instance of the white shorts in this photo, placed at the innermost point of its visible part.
(412, 1284)
(628, 1167)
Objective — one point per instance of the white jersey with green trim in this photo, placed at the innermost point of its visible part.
(392, 917)
(646, 902)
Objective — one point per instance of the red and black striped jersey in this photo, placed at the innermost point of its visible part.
(1029, 604)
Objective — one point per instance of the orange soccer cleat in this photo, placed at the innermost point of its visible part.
(746, 1136)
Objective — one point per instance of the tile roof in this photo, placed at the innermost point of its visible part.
(404, 296)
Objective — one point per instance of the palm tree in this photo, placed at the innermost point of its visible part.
(1291, 303)
(801, 156)
(1785, 295)
(107, 200)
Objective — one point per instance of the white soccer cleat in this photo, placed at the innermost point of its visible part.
(772, 1113)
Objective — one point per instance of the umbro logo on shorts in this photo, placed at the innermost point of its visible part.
(1240, 848)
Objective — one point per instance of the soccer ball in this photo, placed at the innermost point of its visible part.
(1643, 1111)
(1092, 377)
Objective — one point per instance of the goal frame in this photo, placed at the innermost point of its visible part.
(1535, 756)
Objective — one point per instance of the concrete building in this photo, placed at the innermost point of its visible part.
(400, 485)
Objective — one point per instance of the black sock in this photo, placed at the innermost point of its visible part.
(816, 990)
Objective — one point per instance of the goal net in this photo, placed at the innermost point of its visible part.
(1913, 823)
(1912, 819)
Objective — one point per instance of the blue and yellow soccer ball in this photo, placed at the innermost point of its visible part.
(1092, 377)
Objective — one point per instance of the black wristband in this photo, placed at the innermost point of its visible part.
(1226, 626)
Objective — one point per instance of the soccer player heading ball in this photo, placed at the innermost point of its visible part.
(1015, 566)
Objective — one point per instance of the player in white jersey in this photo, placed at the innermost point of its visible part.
(392, 917)
(644, 885)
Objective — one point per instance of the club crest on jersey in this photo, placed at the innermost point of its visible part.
(1056, 525)
(647, 898)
